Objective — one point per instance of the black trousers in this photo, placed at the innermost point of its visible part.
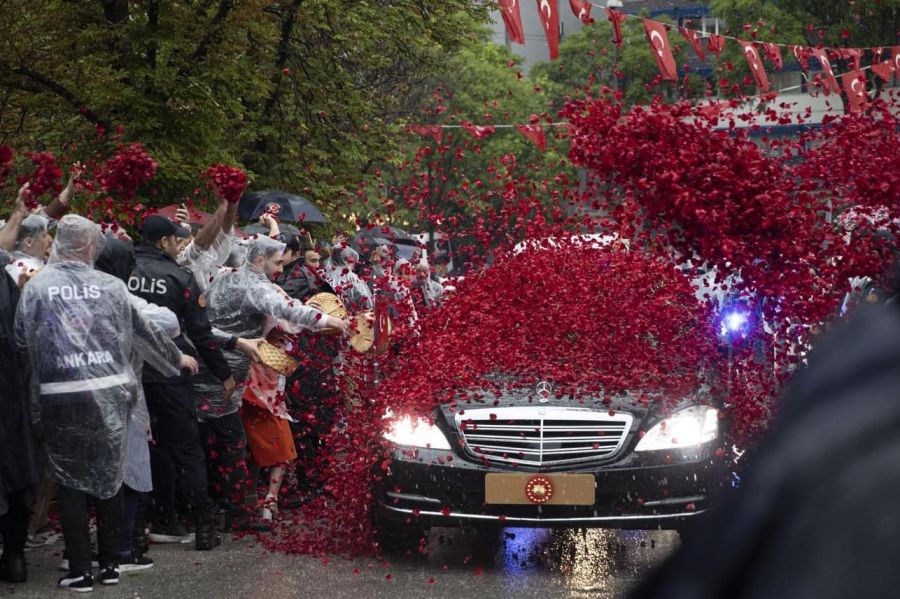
(14, 524)
(225, 442)
(176, 456)
(73, 513)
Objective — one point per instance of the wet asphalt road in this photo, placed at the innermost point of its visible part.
(513, 563)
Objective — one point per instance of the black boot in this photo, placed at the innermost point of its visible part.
(205, 531)
(12, 568)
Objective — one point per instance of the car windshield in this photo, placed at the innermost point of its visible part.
(597, 321)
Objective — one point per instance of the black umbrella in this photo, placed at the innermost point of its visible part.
(382, 234)
(290, 207)
(258, 229)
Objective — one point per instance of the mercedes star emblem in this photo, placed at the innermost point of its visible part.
(544, 390)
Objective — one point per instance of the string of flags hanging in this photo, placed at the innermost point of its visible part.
(853, 82)
(534, 132)
(658, 38)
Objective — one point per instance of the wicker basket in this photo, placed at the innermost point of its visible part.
(276, 359)
(363, 339)
(331, 305)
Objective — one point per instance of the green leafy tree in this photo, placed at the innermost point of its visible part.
(305, 94)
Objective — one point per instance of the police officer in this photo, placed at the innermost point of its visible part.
(160, 280)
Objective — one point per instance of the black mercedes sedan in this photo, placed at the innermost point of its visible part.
(576, 386)
(538, 461)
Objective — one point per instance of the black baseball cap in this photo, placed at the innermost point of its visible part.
(155, 227)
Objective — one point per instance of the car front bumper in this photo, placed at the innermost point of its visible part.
(653, 490)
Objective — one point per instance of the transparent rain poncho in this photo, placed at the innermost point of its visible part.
(205, 263)
(353, 291)
(240, 302)
(79, 328)
(21, 261)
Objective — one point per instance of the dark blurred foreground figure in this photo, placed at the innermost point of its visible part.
(818, 514)
(18, 471)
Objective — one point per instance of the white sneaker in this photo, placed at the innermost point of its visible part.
(137, 564)
(83, 583)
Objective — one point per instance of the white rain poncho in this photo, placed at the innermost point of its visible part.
(353, 291)
(78, 326)
(240, 302)
(21, 261)
(205, 263)
(431, 291)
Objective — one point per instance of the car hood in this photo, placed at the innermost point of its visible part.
(641, 406)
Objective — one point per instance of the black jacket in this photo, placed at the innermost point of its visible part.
(158, 279)
(817, 515)
(18, 470)
(300, 283)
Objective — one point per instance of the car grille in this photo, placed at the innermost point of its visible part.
(543, 436)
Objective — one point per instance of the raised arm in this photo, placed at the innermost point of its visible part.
(10, 231)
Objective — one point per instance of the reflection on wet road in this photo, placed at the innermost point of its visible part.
(512, 563)
(574, 563)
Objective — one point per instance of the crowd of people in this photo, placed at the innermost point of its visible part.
(134, 384)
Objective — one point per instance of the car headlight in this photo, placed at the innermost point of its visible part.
(418, 433)
(685, 428)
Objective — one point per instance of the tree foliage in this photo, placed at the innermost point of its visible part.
(305, 94)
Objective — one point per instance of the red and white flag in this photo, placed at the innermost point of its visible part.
(512, 18)
(830, 83)
(756, 65)
(802, 56)
(854, 55)
(855, 87)
(549, 13)
(715, 44)
(895, 58)
(616, 18)
(478, 131)
(581, 9)
(436, 132)
(884, 69)
(693, 39)
(773, 53)
(662, 51)
(535, 133)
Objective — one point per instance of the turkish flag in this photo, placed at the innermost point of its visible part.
(582, 10)
(693, 39)
(895, 58)
(662, 51)
(536, 134)
(615, 17)
(549, 13)
(715, 44)
(478, 131)
(756, 65)
(434, 131)
(884, 69)
(773, 52)
(855, 87)
(831, 84)
(854, 54)
(802, 56)
(512, 18)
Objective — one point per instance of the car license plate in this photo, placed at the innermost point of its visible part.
(531, 488)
